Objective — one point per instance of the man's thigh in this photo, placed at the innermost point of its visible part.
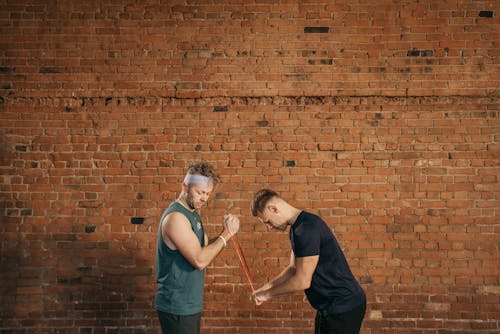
(344, 323)
(179, 324)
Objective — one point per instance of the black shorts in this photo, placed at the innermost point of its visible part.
(342, 323)
(179, 324)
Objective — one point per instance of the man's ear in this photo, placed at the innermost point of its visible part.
(273, 208)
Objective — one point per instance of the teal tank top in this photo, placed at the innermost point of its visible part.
(180, 285)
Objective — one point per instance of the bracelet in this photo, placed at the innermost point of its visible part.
(223, 240)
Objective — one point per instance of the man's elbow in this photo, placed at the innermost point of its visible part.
(304, 284)
(199, 264)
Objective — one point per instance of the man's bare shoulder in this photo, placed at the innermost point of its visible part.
(174, 219)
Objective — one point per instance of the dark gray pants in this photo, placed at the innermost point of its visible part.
(179, 324)
(342, 323)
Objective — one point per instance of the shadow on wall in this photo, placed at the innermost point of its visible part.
(113, 285)
(81, 282)
(10, 257)
(71, 261)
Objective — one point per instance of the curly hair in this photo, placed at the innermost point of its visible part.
(205, 169)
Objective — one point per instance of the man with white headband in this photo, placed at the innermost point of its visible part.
(183, 252)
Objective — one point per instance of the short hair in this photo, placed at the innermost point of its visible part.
(260, 200)
(205, 169)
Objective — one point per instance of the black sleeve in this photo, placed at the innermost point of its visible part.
(306, 239)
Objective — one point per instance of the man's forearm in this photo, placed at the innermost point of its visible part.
(209, 252)
(282, 277)
(292, 284)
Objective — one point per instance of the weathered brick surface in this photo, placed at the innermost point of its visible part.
(383, 118)
(241, 48)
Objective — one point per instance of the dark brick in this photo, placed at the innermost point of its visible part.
(49, 70)
(90, 229)
(73, 280)
(426, 53)
(6, 69)
(420, 53)
(137, 220)
(316, 30)
(26, 212)
(486, 13)
(413, 53)
(220, 109)
(308, 53)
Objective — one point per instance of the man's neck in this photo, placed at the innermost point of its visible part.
(183, 202)
(294, 214)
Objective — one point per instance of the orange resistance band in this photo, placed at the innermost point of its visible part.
(239, 252)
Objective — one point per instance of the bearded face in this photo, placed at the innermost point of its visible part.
(197, 195)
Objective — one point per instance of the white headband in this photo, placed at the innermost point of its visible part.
(198, 179)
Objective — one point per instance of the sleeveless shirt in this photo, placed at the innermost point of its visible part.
(180, 285)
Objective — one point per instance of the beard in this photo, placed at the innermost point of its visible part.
(281, 227)
(189, 201)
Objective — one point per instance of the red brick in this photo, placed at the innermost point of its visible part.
(100, 117)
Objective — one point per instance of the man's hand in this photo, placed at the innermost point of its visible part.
(231, 224)
(261, 295)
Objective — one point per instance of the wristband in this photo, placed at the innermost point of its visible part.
(223, 240)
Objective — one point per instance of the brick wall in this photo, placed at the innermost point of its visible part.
(383, 118)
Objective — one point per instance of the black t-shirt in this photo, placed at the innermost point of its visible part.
(333, 288)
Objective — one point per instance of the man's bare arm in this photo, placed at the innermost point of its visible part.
(299, 280)
(283, 276)
(177, 234)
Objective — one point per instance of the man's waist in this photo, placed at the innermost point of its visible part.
(342, 305)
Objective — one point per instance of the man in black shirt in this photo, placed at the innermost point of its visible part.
(317, 265)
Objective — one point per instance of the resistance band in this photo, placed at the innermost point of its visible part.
(239, 252)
